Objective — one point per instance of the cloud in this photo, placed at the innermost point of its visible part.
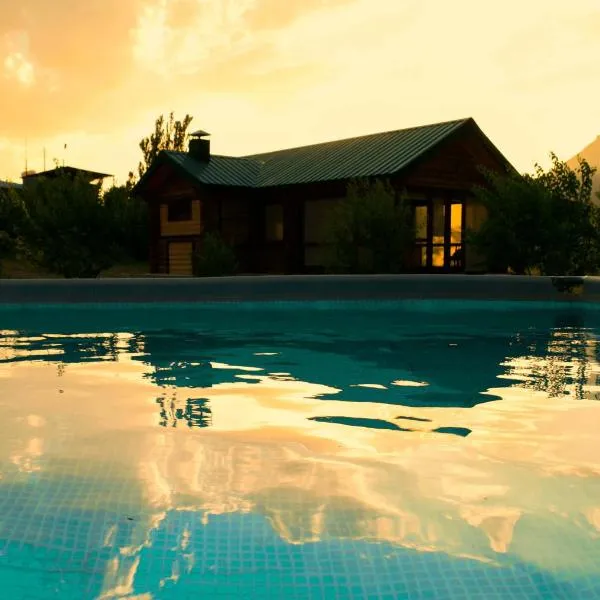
(60, 54)
(71, 65)
(296, 71)
(276, 15)
(71, 68)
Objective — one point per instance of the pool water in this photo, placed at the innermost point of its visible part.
(418, 450)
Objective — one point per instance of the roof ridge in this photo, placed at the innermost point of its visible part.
(370, 155)
(229, 156)
(357, 137)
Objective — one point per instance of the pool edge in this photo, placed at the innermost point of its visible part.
(299, 288)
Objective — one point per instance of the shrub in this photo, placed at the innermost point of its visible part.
(214, 258)
(130, 227)
(544, 223)
(66, 228)
(372, 230)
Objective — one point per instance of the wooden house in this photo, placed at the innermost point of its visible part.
(91, 177)
(274, 208)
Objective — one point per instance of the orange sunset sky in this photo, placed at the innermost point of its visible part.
(267, 74)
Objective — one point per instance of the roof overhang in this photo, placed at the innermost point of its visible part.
(71, 171)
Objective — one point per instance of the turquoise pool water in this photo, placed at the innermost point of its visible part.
(433, 450)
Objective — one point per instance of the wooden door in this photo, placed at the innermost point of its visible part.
(180, 258)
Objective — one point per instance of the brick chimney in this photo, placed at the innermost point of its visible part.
(199, 148)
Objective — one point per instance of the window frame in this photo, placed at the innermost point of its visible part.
(268, 237)
(182, 216)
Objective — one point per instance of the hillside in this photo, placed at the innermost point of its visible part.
(591, 153)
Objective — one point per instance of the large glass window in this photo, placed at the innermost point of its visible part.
(456, 223)
(421, 222)
(456, 258)
(438, 231)
(235, 227)
(439, 234)
(318, 221)
(274, 222)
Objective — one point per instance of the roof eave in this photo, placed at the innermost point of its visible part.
(138, 188)
(491, 146)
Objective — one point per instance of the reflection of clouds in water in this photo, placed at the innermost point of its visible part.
(262, 444)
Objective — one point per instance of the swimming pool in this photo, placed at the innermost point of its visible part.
(327, 450)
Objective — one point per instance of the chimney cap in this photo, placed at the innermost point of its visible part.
(199, 134)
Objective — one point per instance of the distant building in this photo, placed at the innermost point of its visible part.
(71, 172)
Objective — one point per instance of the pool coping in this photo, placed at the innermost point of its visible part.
(299, 287)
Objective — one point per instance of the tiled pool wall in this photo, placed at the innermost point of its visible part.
(299, 287)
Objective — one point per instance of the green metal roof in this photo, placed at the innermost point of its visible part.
(220, 170)
(377, 154)
(365, 156)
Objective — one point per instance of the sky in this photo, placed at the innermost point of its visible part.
(263, 75)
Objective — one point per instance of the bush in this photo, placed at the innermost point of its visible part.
(130, 227)
(372, 230)
(66, 228)
(214, 258)
(11, 219)
(543, 223)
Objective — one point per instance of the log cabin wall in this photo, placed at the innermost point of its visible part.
(449, 172)
(175, 213)
(284, 229)
(231, 212)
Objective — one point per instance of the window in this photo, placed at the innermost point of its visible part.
(234, 226)
(456, 223)
(180, 209)
(318, 221)
(274, 223)
(421, 216)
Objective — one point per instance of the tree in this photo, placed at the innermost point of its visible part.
(129, 215)
(66, 228)
(372, 229)
(11, 217)
(168, 135)
(510, 238)
(543, 223)
(573, 235)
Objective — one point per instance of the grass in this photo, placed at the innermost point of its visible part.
(20, 269)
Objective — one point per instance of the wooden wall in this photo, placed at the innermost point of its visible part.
(449, 170)
(454, 163)
(170, 228)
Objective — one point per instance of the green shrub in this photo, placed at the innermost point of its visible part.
(130, 224)
(66, 228)
(372, 230)
(214, 258)
(11, 220)
(544, 223)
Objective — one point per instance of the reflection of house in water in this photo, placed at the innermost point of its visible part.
(564, 363)
(548, 352)
(197, 412)
(181, 359)
(66, 348)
